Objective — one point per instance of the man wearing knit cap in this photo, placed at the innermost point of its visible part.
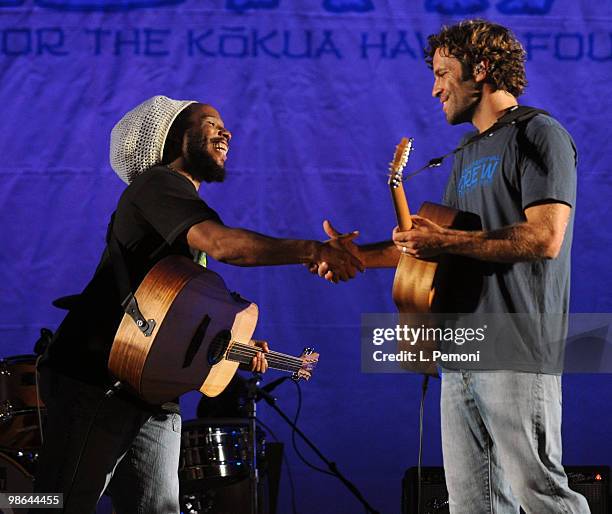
(163, 149)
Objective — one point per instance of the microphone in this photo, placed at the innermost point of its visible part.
(274, 384)
(264, 392)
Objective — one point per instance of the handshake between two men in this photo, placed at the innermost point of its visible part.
(425, 239)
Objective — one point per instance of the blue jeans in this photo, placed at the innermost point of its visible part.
(501, 441)
(130, 452)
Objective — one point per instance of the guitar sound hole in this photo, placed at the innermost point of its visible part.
(218, 346)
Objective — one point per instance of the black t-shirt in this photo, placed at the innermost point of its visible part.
(152, 218)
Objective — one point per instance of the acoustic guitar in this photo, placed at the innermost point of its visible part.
(443, 284)
(201, 334)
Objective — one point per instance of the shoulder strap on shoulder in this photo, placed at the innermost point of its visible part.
(520, 114)
(122, 278)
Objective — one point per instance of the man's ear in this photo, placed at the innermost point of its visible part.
(481, 71)
(184, 143)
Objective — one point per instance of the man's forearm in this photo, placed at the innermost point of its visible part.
(247, 248)
(379, 255)
(514, 243)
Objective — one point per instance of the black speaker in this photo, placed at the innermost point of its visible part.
(434, 496)
(592, 482)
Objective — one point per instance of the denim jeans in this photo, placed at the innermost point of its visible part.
(130, 452)
(501, 442)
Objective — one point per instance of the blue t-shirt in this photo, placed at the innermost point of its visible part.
(497, 178)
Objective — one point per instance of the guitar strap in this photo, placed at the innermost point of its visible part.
(122, 278)
(516, 115)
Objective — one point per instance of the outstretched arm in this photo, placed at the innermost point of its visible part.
(383, 254)
(246, 248)
(374, 255)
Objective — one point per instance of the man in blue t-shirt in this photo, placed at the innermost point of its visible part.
(501, 427)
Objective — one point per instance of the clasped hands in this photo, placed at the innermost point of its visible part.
(338, 257)
(425, 239)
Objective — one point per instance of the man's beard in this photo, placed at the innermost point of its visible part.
(469, 103)
(200, 164)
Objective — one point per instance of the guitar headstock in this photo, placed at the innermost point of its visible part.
(309, 361)
(400, 158)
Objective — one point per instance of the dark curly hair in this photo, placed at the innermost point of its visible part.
(472, 41)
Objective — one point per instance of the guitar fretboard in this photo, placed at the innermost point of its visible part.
(244, 353)
(400, 203)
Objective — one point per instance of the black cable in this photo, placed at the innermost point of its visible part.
(293, 433)
(108, 394)
(260, 422)
(286, 461)
(421, 416)
(331, 465)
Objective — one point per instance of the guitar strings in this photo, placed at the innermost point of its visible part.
(283, 366)
(268, 356)
(248, 349)
(275, 358)
(272, 358)
(238, 350)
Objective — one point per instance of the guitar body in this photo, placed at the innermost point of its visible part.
(442, 284)
(196, 318)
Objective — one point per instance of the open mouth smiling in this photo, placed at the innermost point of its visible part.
(221, 146)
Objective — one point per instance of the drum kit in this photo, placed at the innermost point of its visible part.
(215, 461)
(215, 465)
(214, 452)
(21, 414)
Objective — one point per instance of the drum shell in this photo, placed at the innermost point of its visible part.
(19, 403)
(216, 450)
(18, 382)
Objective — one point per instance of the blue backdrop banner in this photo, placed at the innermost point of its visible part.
(316, 94)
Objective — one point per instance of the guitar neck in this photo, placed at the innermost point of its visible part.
(244, 353)
(400, 204)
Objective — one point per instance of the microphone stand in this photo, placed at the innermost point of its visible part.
(333, 468)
